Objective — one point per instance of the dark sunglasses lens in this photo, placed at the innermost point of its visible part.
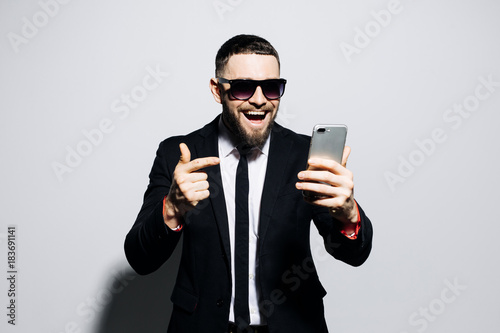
(242, 89)
(273, 89)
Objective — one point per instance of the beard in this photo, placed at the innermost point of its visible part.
(253, 139)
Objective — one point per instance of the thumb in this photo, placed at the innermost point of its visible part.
(345, 156)
(185, 153)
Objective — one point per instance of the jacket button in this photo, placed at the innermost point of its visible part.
(220, 303)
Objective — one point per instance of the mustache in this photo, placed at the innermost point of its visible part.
(267, 108)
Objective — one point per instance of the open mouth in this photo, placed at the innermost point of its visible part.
(255, 116)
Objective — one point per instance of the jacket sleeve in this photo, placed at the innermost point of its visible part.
(150, 243)
(351, 251)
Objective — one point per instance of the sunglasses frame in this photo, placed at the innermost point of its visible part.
(258, 83)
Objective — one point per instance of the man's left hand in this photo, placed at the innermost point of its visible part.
(332, 186)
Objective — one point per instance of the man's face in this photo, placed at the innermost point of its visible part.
(250, 120)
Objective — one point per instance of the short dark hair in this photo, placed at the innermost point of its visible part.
(242, 44)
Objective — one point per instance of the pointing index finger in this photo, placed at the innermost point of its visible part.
(201, 163)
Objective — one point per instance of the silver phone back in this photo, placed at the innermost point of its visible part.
(328, 142)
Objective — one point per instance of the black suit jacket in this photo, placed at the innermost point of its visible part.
(291, 293)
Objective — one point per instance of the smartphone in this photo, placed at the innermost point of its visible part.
(327, 141)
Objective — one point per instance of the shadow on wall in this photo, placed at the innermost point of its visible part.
(143, 305)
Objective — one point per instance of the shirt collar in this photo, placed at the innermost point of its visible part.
(227, 143)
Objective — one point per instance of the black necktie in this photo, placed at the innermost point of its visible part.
(241, 311)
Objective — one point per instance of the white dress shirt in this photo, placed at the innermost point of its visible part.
(257, 164)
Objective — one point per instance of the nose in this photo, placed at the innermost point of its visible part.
(258, 98)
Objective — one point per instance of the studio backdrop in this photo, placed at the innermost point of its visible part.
(90, 88)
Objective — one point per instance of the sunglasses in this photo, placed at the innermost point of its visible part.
(244, 89)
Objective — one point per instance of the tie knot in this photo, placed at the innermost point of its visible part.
(244, 149)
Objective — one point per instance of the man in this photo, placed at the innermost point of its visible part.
(246, 267)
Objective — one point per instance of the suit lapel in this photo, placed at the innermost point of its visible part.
(208, 146)
(279, 152)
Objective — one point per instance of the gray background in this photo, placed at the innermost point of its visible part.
(435, 224)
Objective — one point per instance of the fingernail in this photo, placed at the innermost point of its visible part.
(301, 175)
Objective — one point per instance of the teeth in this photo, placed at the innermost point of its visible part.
(256, 113)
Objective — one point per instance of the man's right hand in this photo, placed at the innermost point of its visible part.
(189, 186)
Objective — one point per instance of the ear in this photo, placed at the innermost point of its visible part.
(214, 88)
